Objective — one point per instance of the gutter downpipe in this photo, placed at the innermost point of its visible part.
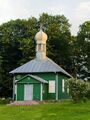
(56, 86)
(13, 88)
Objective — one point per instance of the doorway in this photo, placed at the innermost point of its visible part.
(28, 92)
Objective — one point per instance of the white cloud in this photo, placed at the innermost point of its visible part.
(10, 9)
(77, 11)
(81, 13)
(58, 9)
(83, 10)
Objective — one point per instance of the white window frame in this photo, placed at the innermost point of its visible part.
(52, 86)
(15, 91)
(63, 85)
(67, 89)
(39, 47)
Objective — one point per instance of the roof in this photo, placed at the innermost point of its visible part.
(35, 77)
(37, 66)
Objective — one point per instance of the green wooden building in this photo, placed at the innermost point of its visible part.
(40, 78)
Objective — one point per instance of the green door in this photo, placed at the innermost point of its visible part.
(20, 92)
(37, 92)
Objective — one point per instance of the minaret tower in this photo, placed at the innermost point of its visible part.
(41, 39)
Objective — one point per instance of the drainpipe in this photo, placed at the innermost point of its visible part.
(56, 86)
(13, 87)
(41, 92)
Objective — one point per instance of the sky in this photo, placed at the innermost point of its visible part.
(76, 11)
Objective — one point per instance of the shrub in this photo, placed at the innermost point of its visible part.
(88, 92)
(78, 89)
(4, 101)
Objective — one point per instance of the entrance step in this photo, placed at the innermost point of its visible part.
(24, 103)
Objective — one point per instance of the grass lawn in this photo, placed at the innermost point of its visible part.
(50, 111)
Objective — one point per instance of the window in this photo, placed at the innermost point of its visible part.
(52, 86)
(39, 47)
(18, 76)
(28, 78)
(67, 90)
(44, 47)
(63, 89)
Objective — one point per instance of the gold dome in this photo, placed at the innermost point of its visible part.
(41, 37)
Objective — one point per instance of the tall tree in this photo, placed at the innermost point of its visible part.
(59, 36)
(83, 54)
(17, 45)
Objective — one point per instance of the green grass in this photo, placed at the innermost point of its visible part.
(51, 111)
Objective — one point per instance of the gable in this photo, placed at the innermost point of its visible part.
(27, 79)
(31, 79)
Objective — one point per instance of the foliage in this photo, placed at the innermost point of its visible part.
(82, 51)
(78, 89)
(59, 37)
(88, 92)
(15, 36)
(4, 101)
(17, 45)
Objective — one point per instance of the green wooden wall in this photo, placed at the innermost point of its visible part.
(36, 92)
(48, 77)
(28, 79)
(37, 86)
(61, 94)
(20, 92)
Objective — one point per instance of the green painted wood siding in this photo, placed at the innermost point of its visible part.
(45, 91)
(37, 86)
(18, 76)
(48, 77)
(61, 94)
(28, 79)
(36, 91)
(20, 92)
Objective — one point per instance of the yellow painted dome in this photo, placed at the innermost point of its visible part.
(41, 36)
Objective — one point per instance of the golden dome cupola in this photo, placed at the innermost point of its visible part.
(41, 39)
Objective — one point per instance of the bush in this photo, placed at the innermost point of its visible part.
(4, 101)
(88, 94)
(78, 89)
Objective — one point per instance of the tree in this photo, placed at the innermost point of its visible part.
(82, 58)
(17, 45)
(58, 45)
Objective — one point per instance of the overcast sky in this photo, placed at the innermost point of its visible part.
(77, 11)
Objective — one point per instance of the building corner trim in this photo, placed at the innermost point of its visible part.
(56, 86)
(41, 97)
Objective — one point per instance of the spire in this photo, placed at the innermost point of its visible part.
(41, 39)
(41, 26)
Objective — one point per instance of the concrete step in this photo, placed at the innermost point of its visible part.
(24, 103)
